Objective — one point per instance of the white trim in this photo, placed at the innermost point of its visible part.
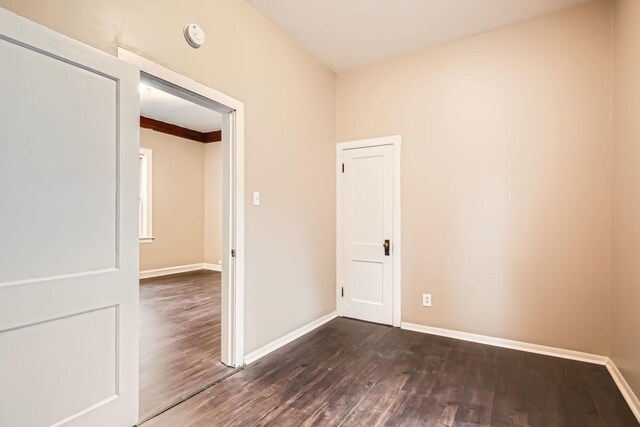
(232, 338)
(504, 343)
(396, 142)
(236, 326)
(625, 389)
(171, 270)
(157, 70)
(274, 345)
(212, 267)
(371, 142)
(157, 272)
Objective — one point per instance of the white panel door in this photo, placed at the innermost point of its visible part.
(366, 288)
(68, 231)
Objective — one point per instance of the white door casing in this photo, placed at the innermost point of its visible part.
(68, 231)
(232, 110)
(368, 209)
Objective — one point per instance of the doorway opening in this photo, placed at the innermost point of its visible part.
(191, 237)
(180, 249)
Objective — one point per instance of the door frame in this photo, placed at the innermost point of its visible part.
(396, 253)
(232, 110)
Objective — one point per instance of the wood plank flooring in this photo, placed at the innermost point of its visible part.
(353, 373)
(179, 338)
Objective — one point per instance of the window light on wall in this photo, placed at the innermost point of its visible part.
(145, 233)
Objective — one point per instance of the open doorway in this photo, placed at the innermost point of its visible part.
(180, 249)
(191, 236)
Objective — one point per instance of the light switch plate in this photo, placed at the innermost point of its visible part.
(256, 198)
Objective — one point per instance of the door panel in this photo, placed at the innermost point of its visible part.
(367, 284)
(45, 360)
(69, 231)
(39, 175)
(367, 197)
(367, 218)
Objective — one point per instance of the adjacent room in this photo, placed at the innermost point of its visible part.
(320, 212)
(180, 249)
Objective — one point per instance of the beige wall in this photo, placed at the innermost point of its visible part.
(506, 174)
(212, 203)
(178, 184)
(625, 350)
(506, 164)
(187, 202)
(289, 102)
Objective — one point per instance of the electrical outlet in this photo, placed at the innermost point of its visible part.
(426, 300)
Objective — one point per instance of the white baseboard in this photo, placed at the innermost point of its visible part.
(179, 269)
(625, 389)
(212, 267)
(623, 386)
(514, 345)
(274, 345)
(170, 270)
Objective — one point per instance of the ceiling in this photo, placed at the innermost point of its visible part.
(168, 108)
(346, 34)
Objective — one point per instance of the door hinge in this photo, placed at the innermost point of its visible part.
(343, 168)
(342, 291)
(233, 253)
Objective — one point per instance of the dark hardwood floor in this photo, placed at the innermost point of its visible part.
(354, 373)
(179, 338)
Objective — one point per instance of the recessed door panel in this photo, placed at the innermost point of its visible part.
(367, 282)
(46, 366)
(58, 161)
(367, 201)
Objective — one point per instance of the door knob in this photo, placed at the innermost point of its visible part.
(386, 246)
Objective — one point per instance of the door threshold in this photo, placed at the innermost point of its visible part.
(189, 396)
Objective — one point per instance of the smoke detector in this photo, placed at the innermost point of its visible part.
(194, 35)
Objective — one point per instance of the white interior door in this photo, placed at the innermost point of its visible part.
(366, 233)
(68, 231)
